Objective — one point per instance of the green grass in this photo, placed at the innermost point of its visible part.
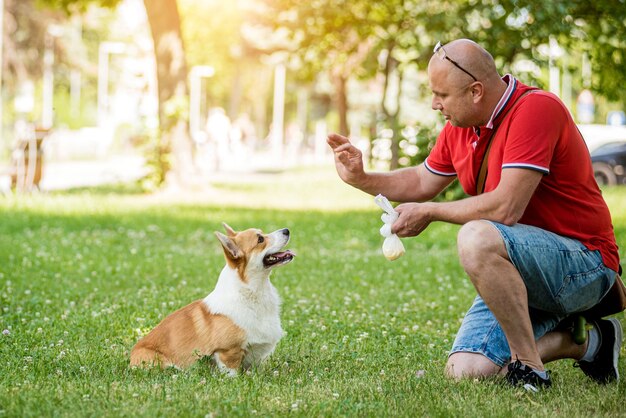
(84, 274)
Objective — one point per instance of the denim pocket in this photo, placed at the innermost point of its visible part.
(581, 291)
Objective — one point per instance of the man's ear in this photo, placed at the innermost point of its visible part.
(478, 91)
(229, 231)
(231, 251)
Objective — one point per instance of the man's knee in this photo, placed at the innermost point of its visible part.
(476, 242)
(469, 365)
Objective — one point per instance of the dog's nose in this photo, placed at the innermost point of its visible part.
(286, 232)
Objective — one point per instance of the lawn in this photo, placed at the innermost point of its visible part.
(84, 274)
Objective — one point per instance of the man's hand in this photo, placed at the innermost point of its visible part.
(348, 159)
(414, 218)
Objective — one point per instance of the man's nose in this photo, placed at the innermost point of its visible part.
(435, 105)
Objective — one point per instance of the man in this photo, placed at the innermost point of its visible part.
(537, 240)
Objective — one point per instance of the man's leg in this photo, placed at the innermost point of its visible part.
(463, 364)
(558, 345)
(561, 276)
(480, 347)
(484, 257)
(601, 365)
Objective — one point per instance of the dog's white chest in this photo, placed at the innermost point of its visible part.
(255, 308)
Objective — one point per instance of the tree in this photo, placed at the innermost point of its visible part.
(171, 75)
(326, 35)
(172, 81)
(511, 30)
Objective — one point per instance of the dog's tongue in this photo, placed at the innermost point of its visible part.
(284, 254)
(281, 257)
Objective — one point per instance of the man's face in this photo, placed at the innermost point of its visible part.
(451, 95)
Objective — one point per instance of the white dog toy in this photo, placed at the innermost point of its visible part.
(392, 246)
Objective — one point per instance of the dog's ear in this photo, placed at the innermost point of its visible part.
(229, 231)
(230, 248)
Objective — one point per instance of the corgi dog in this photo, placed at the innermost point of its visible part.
(238, 323)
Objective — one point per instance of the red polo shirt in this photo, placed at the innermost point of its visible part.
(538, 134)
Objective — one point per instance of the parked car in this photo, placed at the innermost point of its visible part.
(609, 163)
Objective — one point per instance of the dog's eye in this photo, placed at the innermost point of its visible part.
(261, 239)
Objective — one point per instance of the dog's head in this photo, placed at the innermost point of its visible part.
(253, 253)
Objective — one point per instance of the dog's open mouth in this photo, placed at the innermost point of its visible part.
(282, 257)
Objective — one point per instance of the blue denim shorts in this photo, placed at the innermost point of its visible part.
(561, 275)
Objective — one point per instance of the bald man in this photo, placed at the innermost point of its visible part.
(537, 240)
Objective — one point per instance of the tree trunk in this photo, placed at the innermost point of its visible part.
(341, 101)
(392, 117)
(172, 88)
(395, 124)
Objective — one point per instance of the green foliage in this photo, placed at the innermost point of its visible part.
(211, 36)
(76, 6)
(85, 274)
(511, 30)
(157, 156)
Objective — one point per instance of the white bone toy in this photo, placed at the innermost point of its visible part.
(392, 246)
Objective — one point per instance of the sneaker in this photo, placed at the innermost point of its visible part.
(519, 374)
(603, 368)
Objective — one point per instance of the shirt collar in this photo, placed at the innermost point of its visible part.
(504, 100)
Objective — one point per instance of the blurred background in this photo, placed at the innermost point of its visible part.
(180, 93)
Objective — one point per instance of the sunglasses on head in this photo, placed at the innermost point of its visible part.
(441, 53)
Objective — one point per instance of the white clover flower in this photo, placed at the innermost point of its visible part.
(6, 332)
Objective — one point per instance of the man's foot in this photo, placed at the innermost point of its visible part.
(519, 374)
(603, 368)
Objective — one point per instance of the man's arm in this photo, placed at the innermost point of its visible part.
(505, 204)
(413, 184)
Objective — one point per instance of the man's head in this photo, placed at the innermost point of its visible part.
(465, 83)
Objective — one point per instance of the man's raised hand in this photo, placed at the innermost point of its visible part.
(348, 159)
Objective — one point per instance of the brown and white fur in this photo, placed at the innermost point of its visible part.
(238, 323)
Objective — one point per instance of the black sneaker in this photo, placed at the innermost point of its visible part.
(519, 374)
(603, 368)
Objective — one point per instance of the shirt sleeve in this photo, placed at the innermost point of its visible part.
(534, 131)
(439, 161)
